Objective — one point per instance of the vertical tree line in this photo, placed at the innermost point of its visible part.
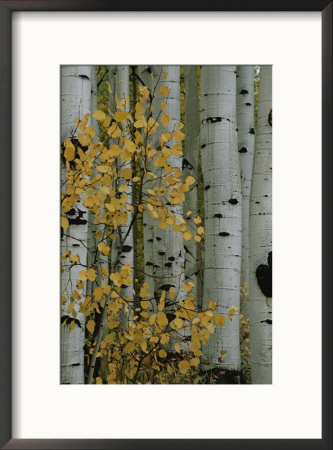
(166, 232)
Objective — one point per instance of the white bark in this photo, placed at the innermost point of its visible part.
(75, 102)
(261, 235)
(190, 164)
(245, 123)
(223, 208)
(119, 82)
(148, 221)
(168, 247)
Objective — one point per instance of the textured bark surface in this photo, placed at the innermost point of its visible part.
(75, 102)
(190, 168)
(167, 249)
(119, 82)
(223, 208)
(260, 310)
(246, 138)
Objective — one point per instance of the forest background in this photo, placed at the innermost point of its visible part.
(185, 330)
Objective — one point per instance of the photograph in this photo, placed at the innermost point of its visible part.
(166, 224)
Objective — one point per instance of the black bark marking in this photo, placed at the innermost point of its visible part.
(244, 91)
(218, 215)
(233, 201)
(224, 233)
(168, 264)
(251, 131)
(171, 258)
(161, 253)
(264, 276)
(207, 187)
(84, 77)
(213, 119)
(126, 248)
(269, 321)
(243, 150)
(270, 118)
(248, 104)
(166, 287)
(187, 164)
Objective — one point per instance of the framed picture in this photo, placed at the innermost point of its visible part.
(46, 403)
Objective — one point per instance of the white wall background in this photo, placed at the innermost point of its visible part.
(291, 407)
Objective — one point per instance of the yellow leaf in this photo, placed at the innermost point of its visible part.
(112, 324)
(103, 169)
(184, 366)
(72, 325)
(232, 312)
(126, 173)
(178, 323)
(197, 220)
(164, 338)
(190, 180)
(98, 293)
(219, 319)
(121, 116)
(99, 380)
(114, 131)
(162, 354)
(75, 259)
(90, 326)
(83, 275)
(91, 274)
(178, 136)
(84, 139)
(165, 119)
(164, 91)
(69, 153)
(145, 304)
(163, 106)
(91, 131)
(162, 224)
(188, 286)
(187, 235)
(99, 115)
(212, 304)
(104, 271)
(194, 362)
(200, 230)
(177, 347)
(64, 223)
(223, 352)
(197, 238)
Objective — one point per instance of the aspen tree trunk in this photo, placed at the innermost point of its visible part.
(119, 82)
(93, 257)
(245, 123)
(223, 210)
(167, 246)
(261, 235)
(75, 102)
(148, 221)
(190, 168)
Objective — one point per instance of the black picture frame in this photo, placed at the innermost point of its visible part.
(6, 9)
